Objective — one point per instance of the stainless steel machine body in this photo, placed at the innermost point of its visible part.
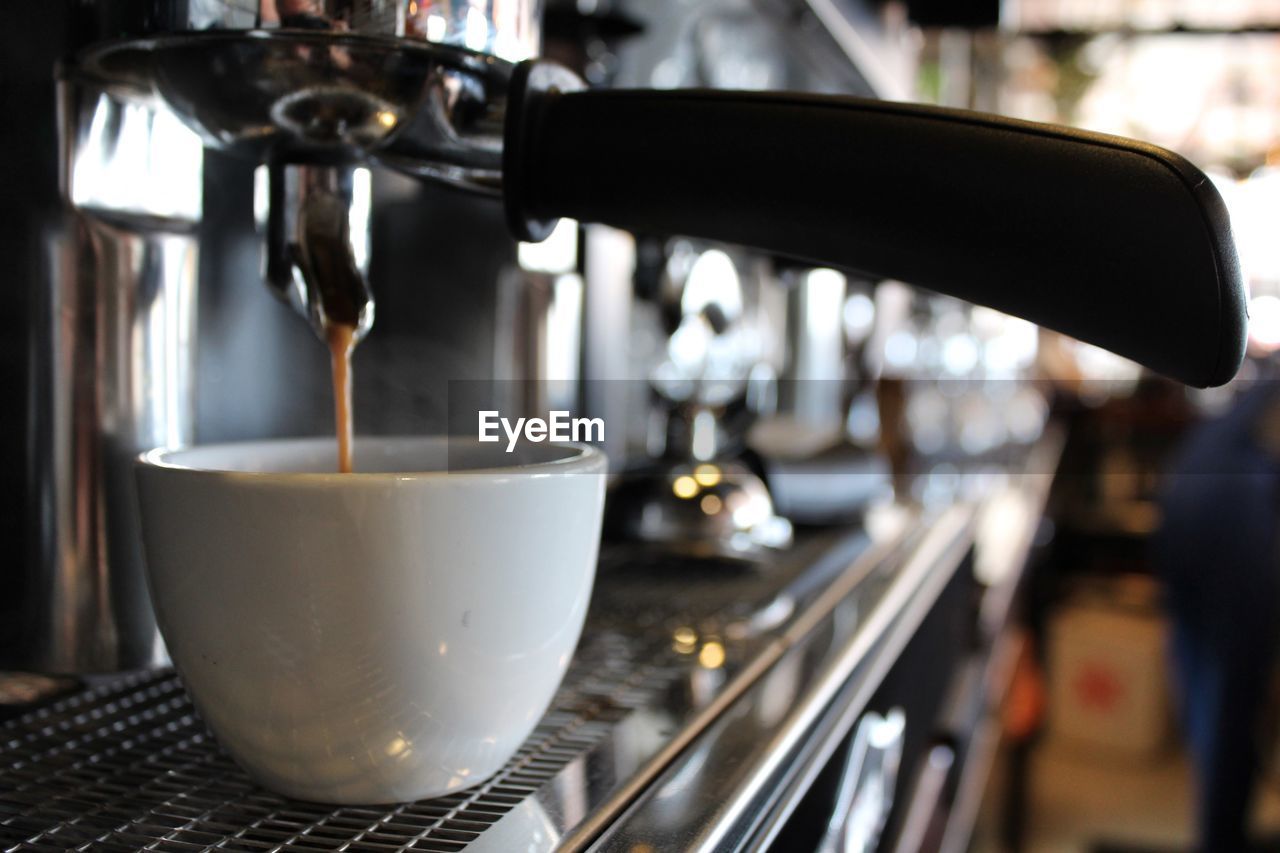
(111, 370)
(136, 264)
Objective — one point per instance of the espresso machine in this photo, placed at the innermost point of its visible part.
(157, 128)
(213, 182)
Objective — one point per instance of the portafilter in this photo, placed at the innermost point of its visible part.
(1115, 242)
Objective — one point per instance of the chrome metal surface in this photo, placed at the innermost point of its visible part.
(305, 96)
(421, 83)
(865, 794)
(316, 224)
(711, 349)
(113, 351)
(538, 346)
(693, 497)
(509, 29)
(927, 797)
(122, 156)
(708, 509)
(103, 255)
(1007, 530)
(732, 787)
(812, 390)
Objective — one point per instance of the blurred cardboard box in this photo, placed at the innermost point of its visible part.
(1108, 673)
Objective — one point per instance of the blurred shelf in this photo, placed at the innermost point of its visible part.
(1063, 34)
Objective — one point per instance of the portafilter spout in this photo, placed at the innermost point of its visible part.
(315, 221)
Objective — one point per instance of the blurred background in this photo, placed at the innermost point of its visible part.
(1110, 741)
(1142, 714)
(1130, 724)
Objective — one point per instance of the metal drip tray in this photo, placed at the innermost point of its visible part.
(129, 765)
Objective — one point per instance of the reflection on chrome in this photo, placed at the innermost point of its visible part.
(712, 654)
(115, 345)
(684, 486)
(707, 475)
(685, 641)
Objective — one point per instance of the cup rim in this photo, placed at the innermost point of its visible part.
(587, 460)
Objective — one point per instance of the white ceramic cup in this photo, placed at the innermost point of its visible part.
(374, 637)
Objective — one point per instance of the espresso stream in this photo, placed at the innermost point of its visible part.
(342, 339)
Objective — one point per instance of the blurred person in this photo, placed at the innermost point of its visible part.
(1218, 556)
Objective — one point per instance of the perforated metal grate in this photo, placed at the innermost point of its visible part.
(130, 766)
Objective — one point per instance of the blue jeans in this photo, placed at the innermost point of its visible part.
(1216, 554)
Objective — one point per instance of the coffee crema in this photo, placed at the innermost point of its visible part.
(342, 340)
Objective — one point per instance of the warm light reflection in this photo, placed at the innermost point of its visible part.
(386, 118)
(712, 655)
(707, 475)
(684, 641)
(711, 504)
(684, 486)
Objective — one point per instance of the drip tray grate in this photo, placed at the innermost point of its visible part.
(130, 766)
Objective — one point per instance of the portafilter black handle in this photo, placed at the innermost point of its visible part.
(1118, 243)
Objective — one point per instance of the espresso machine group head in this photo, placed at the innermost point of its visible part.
(315, 89)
